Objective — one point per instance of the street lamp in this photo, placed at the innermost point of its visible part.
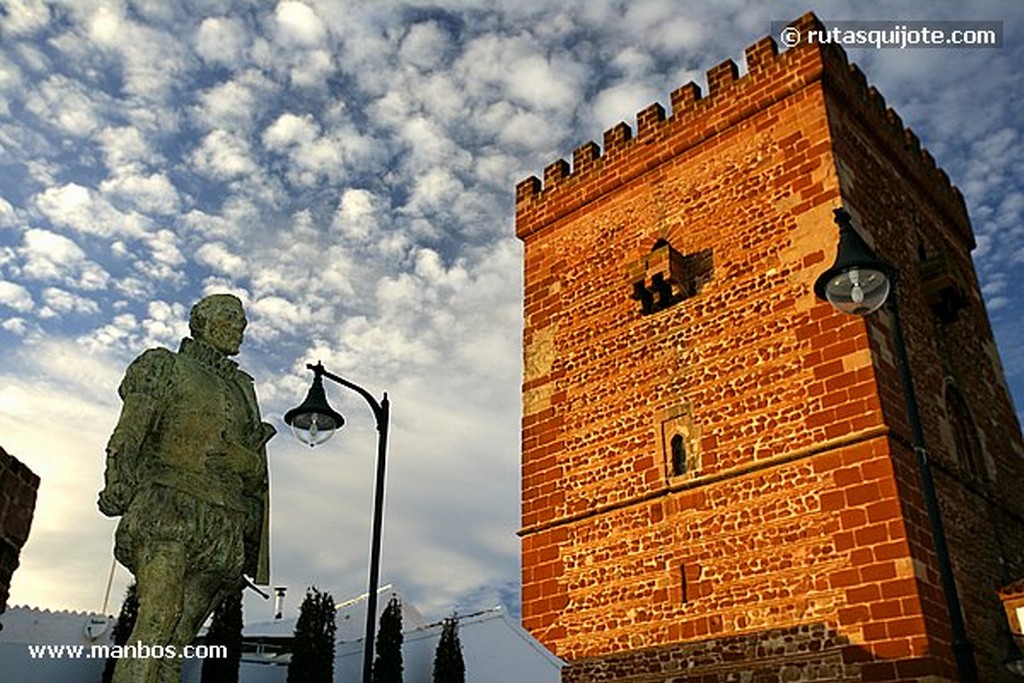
(859, 283)
(314, 422)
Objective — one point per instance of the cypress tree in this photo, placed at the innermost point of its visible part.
(123, 629)
(225, 629)
(387, 667)
(313, 645)
(448, 664)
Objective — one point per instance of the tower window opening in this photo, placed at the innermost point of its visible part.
(678, 453)
(965, 435)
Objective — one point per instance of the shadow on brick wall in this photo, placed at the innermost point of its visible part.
(799, 654)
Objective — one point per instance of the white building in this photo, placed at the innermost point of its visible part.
(41, 646)
(495, 648)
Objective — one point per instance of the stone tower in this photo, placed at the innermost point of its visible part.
(717, 478)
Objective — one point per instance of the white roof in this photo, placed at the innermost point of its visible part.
(30, 626)
(495, 649)
(46, 627)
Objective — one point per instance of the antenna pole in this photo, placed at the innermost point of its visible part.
(110, 582)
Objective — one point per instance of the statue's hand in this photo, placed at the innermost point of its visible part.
(264, 434)
(232, 457)
(114, 499)
(118, 491)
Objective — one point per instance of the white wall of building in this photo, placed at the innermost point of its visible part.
(40, 646)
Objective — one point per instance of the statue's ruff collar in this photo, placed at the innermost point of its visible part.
(209, 357)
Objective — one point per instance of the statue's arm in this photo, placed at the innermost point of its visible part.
(142, 391)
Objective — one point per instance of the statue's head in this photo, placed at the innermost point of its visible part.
(219, 320)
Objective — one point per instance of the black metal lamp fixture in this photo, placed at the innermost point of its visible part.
(859, 283)
(314, 422)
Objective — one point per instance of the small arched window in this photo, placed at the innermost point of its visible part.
(678, 449)
(965, 434)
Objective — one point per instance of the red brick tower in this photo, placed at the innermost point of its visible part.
(717, 476)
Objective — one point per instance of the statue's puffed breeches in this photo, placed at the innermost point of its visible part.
(212, 536)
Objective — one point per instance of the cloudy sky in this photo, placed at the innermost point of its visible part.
(347, 168)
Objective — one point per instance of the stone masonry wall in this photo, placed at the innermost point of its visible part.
(913, 224)
(669, 314)
(18, 486)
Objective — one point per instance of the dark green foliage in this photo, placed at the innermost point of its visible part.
(123, 629)
(448, 664)
(225, 629)
(313, 648)
(387, 667)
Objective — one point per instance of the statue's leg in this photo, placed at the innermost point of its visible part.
(202, 593)
(158, 574)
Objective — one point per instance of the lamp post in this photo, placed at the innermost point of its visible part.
(314, 422)
(859, 283)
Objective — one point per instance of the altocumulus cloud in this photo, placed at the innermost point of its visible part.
(347, 168)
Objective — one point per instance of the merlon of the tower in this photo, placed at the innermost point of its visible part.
(770, 77)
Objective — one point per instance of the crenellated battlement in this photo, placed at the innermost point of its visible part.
(731, 97)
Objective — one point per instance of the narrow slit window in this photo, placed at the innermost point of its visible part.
(965, 435)
(678, 453)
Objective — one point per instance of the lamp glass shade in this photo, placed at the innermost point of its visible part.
(313, 428)
(314, 421)
(858, 290)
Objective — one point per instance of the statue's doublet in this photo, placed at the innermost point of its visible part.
(203, 441)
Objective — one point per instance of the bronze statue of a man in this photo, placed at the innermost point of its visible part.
(187, 472)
